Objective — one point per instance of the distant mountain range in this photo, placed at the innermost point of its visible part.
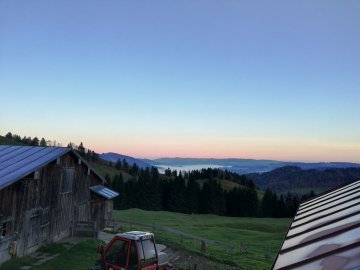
(114, 157)
(244, 166)
(237, 165)
(280, 176)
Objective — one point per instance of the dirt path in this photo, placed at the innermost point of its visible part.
(186, 260)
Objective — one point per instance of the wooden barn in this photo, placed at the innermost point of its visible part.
(47, 193)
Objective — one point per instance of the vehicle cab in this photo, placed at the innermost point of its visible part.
(133, 250)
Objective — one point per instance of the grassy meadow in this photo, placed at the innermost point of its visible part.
(78, 256)
(261, 237)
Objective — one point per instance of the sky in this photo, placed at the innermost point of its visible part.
(185, 78)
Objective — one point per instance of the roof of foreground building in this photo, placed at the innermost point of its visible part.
(17, 162)
(325, 233)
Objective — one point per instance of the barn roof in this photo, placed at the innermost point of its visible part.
(325, 232)
(104, 192)
(18, 161)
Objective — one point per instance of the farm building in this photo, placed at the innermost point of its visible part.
(325, 233)
(47, 193)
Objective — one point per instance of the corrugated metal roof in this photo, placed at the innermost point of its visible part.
(325, 233)
(19, 161)
(104, 192)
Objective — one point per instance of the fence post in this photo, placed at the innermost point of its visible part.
(242, 247)
(203, 246)
(269, 249)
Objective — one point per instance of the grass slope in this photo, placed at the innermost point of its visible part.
(259, 235)
(104, 169)
(225, 184)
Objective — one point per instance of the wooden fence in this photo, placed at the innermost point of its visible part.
(198, 243)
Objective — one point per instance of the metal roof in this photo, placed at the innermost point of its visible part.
(18, 161)
(104, 192)
(325, 232)
(136, 235)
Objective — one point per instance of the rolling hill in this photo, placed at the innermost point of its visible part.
(114, 157)
(295, 179)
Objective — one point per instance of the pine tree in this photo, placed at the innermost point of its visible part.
(268, 203)
(155, 189)
(177, 200)
(168, 172)
(134, 170)
(193, 192)
(42, 142)
(35, 141)
(26, 140)
(118, 164)
(125, 165)
(118, 186)
(81, 149)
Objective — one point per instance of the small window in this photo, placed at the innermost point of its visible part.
(67, 180)
(147, 252)
(4, 229)
(45, 215)
(117, 253)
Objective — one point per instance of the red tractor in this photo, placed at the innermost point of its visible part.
(132, 251)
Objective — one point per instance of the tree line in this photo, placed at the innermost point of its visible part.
(292, 177)
(29, 141)
(86, 153)
(197, 191)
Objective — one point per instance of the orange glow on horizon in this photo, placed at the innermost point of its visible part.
(252, 148)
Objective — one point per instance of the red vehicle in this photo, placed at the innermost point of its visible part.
(132, 251)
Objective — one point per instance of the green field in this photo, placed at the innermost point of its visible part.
(261, 237)
(78, 256)
(104, 169)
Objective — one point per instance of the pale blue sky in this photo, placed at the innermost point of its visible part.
(261, 79)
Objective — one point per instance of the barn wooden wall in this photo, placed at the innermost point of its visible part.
(38, 210)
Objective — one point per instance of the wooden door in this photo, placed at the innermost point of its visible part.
(66, 202)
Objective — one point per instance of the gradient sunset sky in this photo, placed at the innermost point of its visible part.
(189, 78)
